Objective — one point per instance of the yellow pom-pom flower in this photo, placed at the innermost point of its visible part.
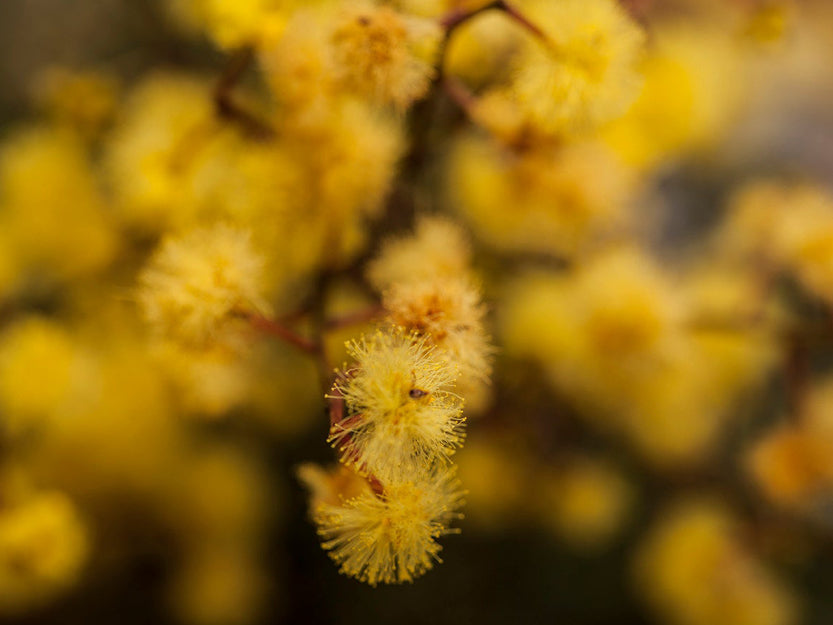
(38, 362)
(218, 584)
(384, 55)
(209, 381)
(449, 312)
(789, 464)
(43, 547)
(195, 284)
(694, 86)
(694, 569)
(58, 231)
(391, 538)
(157, 149)
(770, 22)
(349, 157)
(563, 200)
(805, 238)
(582, 73)
(438, 248)
(402, 415)
(750, 230)
(586, 502)
(84, 101)
(480, 50)
(614, 338)
(787, 225)
(298, 68)
(611, 323)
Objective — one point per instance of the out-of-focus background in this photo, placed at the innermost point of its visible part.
(656, 446)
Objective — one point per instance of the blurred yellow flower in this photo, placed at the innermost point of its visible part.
(384, 55)
(195, 285)
(694, 569)
(61, 231)
(39, 363)
(438, 248)
(583, 72)
(44, 545)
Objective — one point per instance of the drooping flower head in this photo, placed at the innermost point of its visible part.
(391, 538)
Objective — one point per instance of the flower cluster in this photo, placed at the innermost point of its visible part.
(194, 262)
(397, 421)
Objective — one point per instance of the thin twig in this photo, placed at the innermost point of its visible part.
(460, 95)
(797, 375)
(278, 330)
(228, 108)
(513, 12)
(457, 17)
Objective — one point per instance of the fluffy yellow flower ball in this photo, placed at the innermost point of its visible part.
(391, 538)
(402, 415)
(195, 285)
(583, 72)
(43, 548)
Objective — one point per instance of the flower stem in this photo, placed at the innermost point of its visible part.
(278, 330)
(228, 108)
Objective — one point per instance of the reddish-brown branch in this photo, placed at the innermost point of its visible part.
(294, 316)
(278, 330)
(460, 95)
(513, 12)
(228, 108)
(351, 458)
(457, 17)
(796, 375)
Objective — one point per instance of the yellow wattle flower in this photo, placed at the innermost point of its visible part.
(401, 413)
(583, 73)
(196, 284)
(391, 538)
(384, 55)
(44, 545)
(450, 313)
(438, 248)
